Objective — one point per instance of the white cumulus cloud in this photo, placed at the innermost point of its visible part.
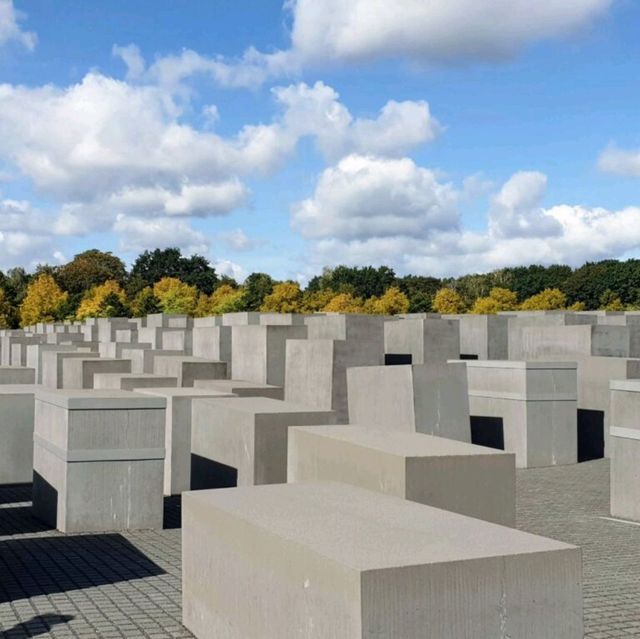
(620, 161)
(10, 30)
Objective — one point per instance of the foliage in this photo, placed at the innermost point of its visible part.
(88, 269)
(152, 266)
(286, 297)
(102, 300)
(344, 303)
(609, 301)
(551, 299)
(42, 302)
(527, 281)
(8, 313)
(315, 301)
(176, 296)
(448, 302)
(392, 302)
(225, 299)
(257, 286)
(145, 303)
(420, 290)
(15, 284)
(364, 282)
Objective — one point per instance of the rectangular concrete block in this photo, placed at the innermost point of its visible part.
(213, 342)
(426, 340)
(78, 372)
(328, 560)
(53, 366)
(250, 434)
(17, 402)
(536, 403)
(98, 460)
(177, 463)
(17, 375)
(258, 353)
(188, 369)
(316, 370)
(483, 336)
(241, 388)
(132, 381)
(463, 478)
(431, 399)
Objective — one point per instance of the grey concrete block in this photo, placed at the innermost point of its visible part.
(132, 381)
(431, 399)
(250, 434)
(332, 560)
(426, 340)
(188, 369)
(52, 366)
(17, 403)
(463, 478)
(17, 375)
(78, 372)
(98, 460)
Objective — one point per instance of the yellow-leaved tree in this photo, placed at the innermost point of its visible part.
(392, 302)
(344, 303)
(551, 299)
(448, 302)
(499, 299)
(43, 302)
(175, 296)
(286, 297)
(225, 299)
(104, 300)
(314, 301)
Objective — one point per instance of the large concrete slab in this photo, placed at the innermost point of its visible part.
(17, 402)
(320, 560)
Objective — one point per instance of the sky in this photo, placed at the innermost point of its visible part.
(438, 137)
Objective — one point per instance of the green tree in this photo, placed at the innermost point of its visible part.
(8, 314)
(609, 301)
(152, 266)
(257, 286)
(99, 301)
(420, 290)
(145, 303)
(90, 268)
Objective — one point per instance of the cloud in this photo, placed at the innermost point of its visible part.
(230, 269)
(139, 234)
(451, 31)
(10, 30)
(238, 240)
(366, 197)
(620, 161)
(371, 211)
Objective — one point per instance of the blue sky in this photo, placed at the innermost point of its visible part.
(438, 138)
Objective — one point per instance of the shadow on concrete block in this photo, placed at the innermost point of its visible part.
(397, 359)
(36, 626)
(73, 562)
(590, 435)
(207, 474)
(487, 431)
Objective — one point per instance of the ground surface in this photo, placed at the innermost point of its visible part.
(112, 585)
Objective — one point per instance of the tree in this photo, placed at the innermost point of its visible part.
(363, 282)
(42, 302)
(152, 266)
(7, 311)
(103, 300)
(314, 301)
(448, 302)
(225, 299)
(176, 296)
(344, 303)
(257, 286)
(90, 268)
(392, 302)
(420, 290)
(15, 284)
(550, 299)
(286, 297)
(609, 301)
(145, 303)
(499, 299)
(527, 281)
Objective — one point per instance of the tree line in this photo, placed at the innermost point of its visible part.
(97, 284)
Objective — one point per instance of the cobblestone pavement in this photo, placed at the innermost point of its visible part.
(128, 585)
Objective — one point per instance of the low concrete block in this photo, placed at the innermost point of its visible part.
(78, 372)
(132, 381)
(188, 369)
(250, 434)
(426, 340)
(431, 399)
(463, 478)
(320, 560)
(177, 463)
(17, 403)
(17, 375)
(241, 388)
(98, 460)
(53, 366)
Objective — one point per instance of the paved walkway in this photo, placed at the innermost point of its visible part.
(112, 585)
